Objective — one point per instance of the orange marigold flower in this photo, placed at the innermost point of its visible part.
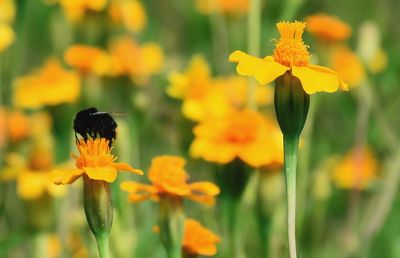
(348, 65)
(246, 135)
(290, 55)
(14, 125)
(88, 59)
(95, 161)
(130, 13)
(138, 62)
(49, 86)
(327, 28)
(225, 6)
(204, 97)
(198, 240)
(357, 170)
(236, 89)
(169, 178)
(33, 175)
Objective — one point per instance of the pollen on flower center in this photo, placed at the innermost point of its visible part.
(290, 49)
(94, 153)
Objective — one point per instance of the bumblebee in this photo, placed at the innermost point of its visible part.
(92, 123)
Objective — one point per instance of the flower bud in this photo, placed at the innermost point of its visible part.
(98, 205)
(291, 104)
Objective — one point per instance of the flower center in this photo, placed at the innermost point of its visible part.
(168, 174)
(290, 49)
(94, 153)
(242, 129)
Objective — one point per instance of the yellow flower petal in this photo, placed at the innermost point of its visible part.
(108, 174)
(264, 70)
(125, 167)
(205, 188)
(138, 192)
(203, 192)
(65, 176)
(212, 152)
(316, 78)
(31, 185)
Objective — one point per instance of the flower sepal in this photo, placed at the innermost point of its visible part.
(98, 205)
(291, 104)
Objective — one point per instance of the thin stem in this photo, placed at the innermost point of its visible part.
(290, 154)
(102, 245)
(253, 40)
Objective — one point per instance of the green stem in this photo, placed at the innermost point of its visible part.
(231, 210)
(171, 222)
(102, 245)
(290, 155)
(253, 40)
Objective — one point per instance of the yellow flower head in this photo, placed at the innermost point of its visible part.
(7, 11)
(204, 97)
(198, 240)
(7, 36)
(290, 55)
(88, 59)
(95, 161)
(169, 178)
(193, 83)
(49, 86)
(246, 135)
(128, 12)
(328, 28)
(290, 49)
(235, 88)
(138, 62)
(76, 9)
(348, 65)
(357, 170)
(33, 174)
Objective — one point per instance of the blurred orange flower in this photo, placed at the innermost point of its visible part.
(51, 85)
(198, 240)
(246, 135)
(327, 28)
(225, 6)
(357, 170)
(95, 161)
(236, 89)
(169, 178)
(88, 59)
(33, 174)
(14, 125)
(76, 9)
(290, 55)
(204, 97)
(348, 65)
(138, 62)
(193, 82)
(130, 13)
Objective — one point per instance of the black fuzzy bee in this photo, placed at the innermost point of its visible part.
(92, 123)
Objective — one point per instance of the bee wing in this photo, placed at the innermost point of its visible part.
(111, 113)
